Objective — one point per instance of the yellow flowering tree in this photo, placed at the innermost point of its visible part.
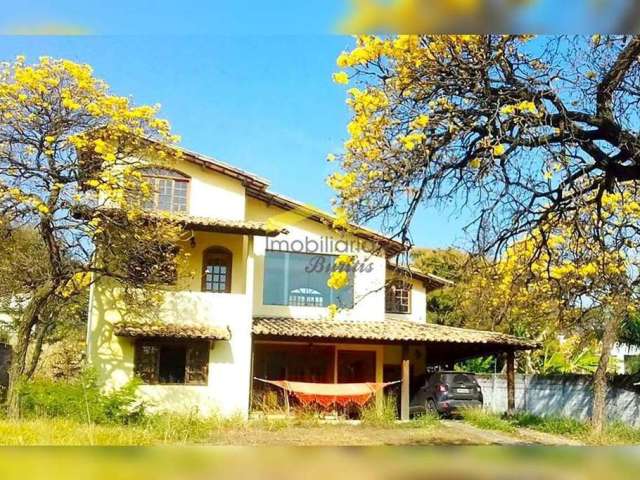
(511, 126)
(536, 137)
(572, 284)
(70, 152)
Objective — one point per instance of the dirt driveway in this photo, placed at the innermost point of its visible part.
(522, 436)
(446, 432)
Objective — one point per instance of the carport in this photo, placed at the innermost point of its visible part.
(325, 351)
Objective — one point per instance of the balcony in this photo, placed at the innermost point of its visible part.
(230, 309)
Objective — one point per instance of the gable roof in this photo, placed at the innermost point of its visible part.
(247, 179)
(257, 187)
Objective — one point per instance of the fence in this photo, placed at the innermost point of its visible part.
(566, 395)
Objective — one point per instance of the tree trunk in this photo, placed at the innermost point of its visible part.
(18, 368)
(598, 416)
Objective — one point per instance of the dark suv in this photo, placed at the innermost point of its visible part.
(445, 392)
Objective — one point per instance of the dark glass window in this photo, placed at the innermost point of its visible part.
(216, 270)
(398, 297)
(172, 362)
(300, 279)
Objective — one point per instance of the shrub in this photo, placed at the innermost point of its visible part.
(80, 399)
(486, 420)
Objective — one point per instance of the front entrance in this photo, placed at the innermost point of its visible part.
(310, 363)
(299, 363)
(356, 366)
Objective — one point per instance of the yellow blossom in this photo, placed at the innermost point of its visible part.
(341, 78)
(42, 208)
(337, 280)
(421, 121)
(345, 259)
(498, 150)
(475, 163)
(410, 141)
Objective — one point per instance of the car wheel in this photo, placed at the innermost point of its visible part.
(431, 407)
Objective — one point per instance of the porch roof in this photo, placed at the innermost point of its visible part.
(246, 227)
(202, 224)
(389, 330)
(172, 330)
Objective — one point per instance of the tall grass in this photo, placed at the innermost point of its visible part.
(614, 433)
(618, 432)
(380, 412)
(555, 425)
(425, 420)
(487, 420)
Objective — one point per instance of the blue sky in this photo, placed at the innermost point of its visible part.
(265, 103)
(247, 82)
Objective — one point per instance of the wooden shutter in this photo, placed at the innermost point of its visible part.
(197, 364)
(147, 362)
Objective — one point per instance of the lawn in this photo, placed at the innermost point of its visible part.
(478, 427)
(176, 430)
(614, 433)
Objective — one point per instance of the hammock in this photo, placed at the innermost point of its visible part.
(327, 394)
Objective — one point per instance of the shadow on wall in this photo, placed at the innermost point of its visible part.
(565, 395)
(113, 356)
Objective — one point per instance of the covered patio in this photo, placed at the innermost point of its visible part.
(327, 351)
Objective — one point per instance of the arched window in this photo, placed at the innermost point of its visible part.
(170, 190)
(305, 297)
(216, 270)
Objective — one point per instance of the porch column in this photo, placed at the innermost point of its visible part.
(404, 391)
(249, 280)
(511, 382)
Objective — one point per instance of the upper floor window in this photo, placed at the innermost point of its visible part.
(300, 279)
(216, 270)
(170, 190)
(398, 297)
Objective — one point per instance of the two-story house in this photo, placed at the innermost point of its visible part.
(257, 304)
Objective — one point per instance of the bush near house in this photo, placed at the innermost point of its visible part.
(80, 399)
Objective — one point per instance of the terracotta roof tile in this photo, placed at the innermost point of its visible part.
(228, 226)
(387, 330)
(172, 330)
(204, 224)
